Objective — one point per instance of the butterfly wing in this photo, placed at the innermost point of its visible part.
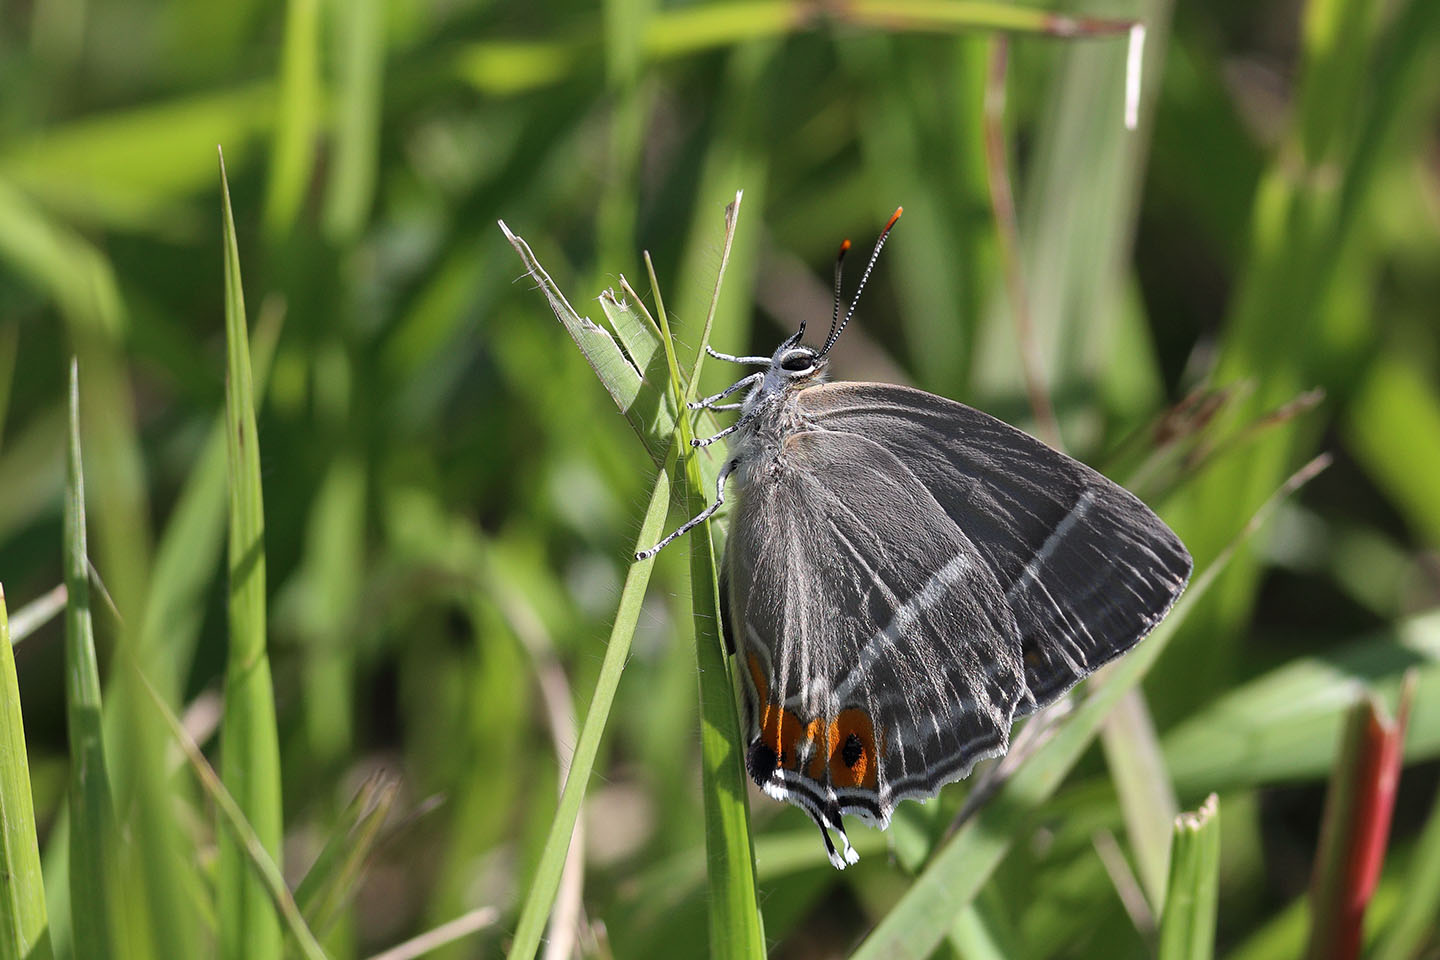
(1085, 567)
(877, 656)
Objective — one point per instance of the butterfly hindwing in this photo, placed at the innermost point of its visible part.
(877, 654)
(1085, 567)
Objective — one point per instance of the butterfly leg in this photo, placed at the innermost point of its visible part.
(700, 517)
(723, 433)
(757, 361)
(737, 385)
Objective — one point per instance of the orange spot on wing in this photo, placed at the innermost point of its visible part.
(780, 729)
(865, 769)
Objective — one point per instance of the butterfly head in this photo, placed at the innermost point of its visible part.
(795, 362)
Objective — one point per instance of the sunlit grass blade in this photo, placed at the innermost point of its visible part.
(250, 755)
(189, 548)
(1142, 784)
(156, 156)
(1355, 831)
(922, 916)
(546, 882)
(94, 875)
(360, 68)
(297, 122)
(1187, 926)
(644, 404)
(1283, 725)
(22, 886)
(735, 924)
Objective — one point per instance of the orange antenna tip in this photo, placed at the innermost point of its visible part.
(845, 245)
(894, 216)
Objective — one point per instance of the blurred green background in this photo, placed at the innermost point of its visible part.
(451, 498)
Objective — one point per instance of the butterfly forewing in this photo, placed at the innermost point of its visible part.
(1085, 567)
(878, 655)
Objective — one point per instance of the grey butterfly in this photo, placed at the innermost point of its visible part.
(906, 576)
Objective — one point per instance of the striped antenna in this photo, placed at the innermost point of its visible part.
(874, 255)
(835, 313)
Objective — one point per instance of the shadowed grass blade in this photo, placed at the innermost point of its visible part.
(250, 755)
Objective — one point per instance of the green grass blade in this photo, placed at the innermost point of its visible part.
(239, 830)
(643, 401)
(156, 156)
(1417, 919)
(1283, 725)
(1187, 927)
(331, 880)
(189, 547)
(1393, 427)
(22, 886)
(360, 52)
(1142, 783)
(923, 915)
(250, 753)
(557, 843)
(297, 122)
(93, 841)
(60, 262)
(735, 923)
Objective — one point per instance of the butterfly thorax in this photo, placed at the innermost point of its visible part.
(771, 411)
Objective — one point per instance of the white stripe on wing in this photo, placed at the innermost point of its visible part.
(904, 619)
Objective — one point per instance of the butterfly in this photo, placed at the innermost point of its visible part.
(905, 577)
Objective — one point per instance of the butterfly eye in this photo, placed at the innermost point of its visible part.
(797, 361)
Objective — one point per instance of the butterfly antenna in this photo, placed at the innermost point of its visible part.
(874, 255)
(835, 313)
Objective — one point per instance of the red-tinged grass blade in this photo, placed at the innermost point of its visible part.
(922, 917)
(1187, 927)
(1356, 828)
(94, 874)
(22, 887)
(249, 749)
